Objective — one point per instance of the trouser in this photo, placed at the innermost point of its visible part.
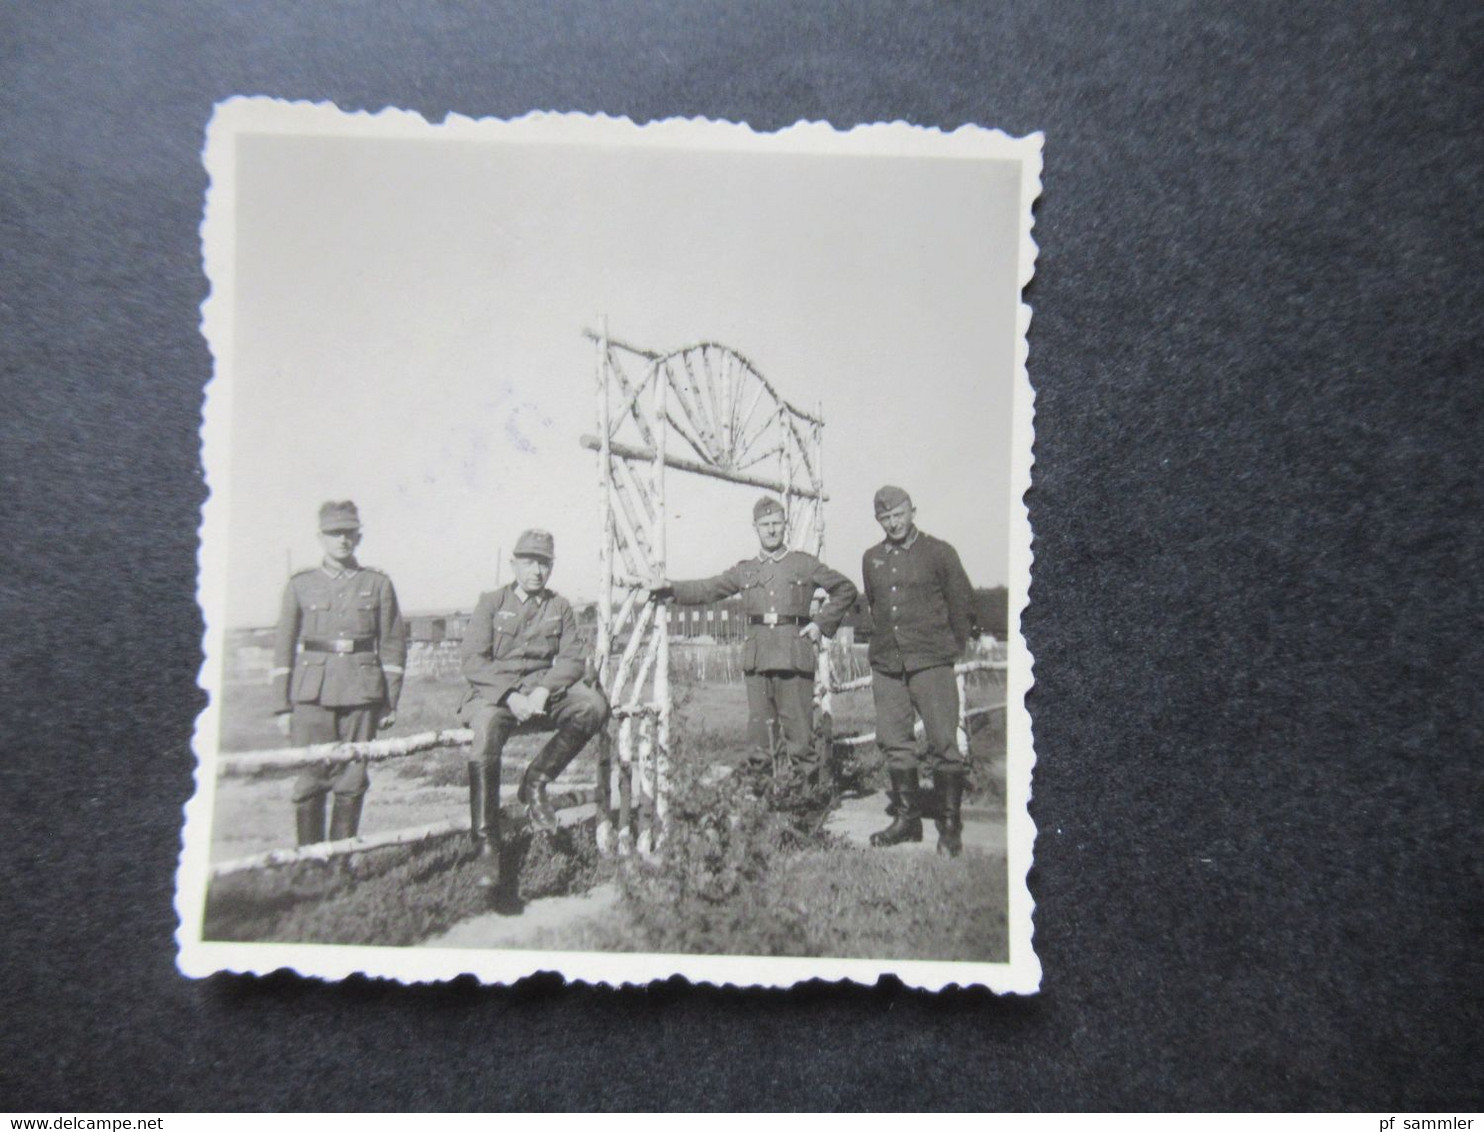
(577, 714)
(780, 709)
(931, 693)
(311, 724)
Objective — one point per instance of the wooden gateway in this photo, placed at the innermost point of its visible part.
(701, 410)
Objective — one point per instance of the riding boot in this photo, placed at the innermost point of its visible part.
(553, 758)
(948, 783)
(309, 817)
(345, 816)
(906, 822)
(484, 821)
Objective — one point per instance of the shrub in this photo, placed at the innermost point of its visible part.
(708, 892)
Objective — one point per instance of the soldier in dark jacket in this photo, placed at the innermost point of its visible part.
(524, 662)
(337, 669)
(778, 657)
(922, 610)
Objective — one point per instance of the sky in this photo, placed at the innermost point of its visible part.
(407, 333)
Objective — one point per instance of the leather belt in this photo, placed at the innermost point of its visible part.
(776, 619)
(341, 646)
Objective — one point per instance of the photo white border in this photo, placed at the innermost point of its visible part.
(1021, 973)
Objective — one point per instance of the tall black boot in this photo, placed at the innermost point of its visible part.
(345, 816)
(309, 818)
(560, 750)
(906, 822)
(484, 821)
(948, 783)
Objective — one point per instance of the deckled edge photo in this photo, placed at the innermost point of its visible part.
(198, 957)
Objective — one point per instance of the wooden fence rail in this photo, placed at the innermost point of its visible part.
(371, 750)
(562, 797)
(965, 713)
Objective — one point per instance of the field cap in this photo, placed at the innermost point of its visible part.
(340, 516)
(765, 506)
(535, 544)
(889, 497)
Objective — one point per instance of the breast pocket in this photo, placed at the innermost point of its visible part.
(365, 618)
(800, 593)
(545, 643)
(500, 642)
(317, 618)
(754, 597)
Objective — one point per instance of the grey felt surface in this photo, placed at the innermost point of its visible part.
(1257, 340)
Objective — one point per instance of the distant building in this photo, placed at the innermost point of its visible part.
(719, 620)
(435, 628)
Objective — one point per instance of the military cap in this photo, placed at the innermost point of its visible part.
(535, 544)
(340, 516)
(889, 497)
(765, 506)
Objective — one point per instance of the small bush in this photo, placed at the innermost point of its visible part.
(709, 893)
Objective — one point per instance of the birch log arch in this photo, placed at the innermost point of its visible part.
(705, 410)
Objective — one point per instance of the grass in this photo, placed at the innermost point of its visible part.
(395, 897)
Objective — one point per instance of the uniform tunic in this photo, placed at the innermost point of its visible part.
(338, 662)
(778, 664)
(922, 603)
(354, 646)
(922, 608)
(518, 642)
(516, 645)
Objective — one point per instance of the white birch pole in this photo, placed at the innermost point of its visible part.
(603, 647)
(661, 722)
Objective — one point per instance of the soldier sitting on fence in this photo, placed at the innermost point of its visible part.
(524, 662)
(782, 644)
(338, 663)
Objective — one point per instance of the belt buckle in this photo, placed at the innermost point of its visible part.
(342, 647)
(770, 618)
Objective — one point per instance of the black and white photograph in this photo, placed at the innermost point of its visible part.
(615, 551)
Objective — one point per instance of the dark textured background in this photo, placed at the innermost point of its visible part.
(1257, 620)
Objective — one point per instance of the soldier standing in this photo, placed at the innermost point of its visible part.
(337, 669)
(782, 644)
(922, 609)
(524, 662)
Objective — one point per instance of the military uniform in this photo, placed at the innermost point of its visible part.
(922, 610)
(777, 663)
(339, 659)
(518, 642)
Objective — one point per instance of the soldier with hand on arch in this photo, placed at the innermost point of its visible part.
(782, 643)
